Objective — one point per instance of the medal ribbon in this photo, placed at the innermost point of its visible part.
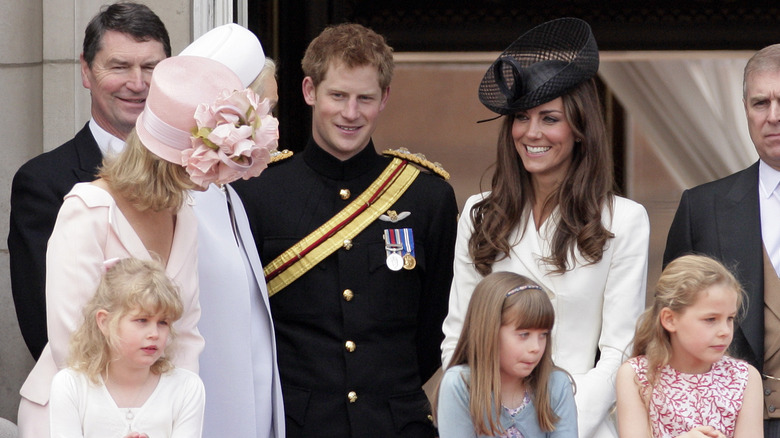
(408, 241)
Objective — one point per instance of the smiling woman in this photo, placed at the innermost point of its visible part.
(545, 143)
(552, 214)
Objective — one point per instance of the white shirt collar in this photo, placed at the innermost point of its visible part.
(108, 144)
(768, 178)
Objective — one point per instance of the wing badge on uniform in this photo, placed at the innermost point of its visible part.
(392, 216)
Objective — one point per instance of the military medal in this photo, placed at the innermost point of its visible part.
(394, 261)
(409, 261)
(393, 250)
(399, 247)
(407, 240)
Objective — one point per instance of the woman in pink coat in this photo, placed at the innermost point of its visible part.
(139, 207)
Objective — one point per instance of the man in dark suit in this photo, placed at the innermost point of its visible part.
(122, 45)
(735, 219)
(358, 310)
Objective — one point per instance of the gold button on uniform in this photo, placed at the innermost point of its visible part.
(350, 346)
(347, 244)
(344, 194)
(352, 396)
(348, 294)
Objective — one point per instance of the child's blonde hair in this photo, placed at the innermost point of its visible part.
(678, 288)
(490, 307)
(130, 285)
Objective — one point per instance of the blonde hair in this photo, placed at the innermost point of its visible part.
(478, 347)
(144, 179)
(128, 286)
(678, 288)
(268, 71)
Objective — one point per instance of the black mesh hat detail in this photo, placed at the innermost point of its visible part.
(544, 63)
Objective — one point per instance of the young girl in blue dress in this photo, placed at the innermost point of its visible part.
(501, 380)
(121, 382)
(679, 382)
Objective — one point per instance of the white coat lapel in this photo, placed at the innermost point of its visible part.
(530, 251)
(248, 242)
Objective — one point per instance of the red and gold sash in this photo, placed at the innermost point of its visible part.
(341, 228)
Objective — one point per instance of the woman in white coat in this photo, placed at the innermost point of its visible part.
(238, 365)
(552, 214)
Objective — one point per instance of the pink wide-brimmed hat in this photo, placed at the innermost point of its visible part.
(233, 45)
(199, 115)
(179, 84)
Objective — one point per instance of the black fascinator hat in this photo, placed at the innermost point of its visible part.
(544, 63)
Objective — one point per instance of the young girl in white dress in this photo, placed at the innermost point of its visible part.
(502, 381)
(679, 382)
(121, 383)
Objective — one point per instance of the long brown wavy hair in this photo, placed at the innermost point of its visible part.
(588, 185)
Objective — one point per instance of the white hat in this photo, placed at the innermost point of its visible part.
(234, 46)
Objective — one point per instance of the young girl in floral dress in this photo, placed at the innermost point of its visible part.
(680, 383)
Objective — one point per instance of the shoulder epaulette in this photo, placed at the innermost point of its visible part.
(418, 159)
(277, 155)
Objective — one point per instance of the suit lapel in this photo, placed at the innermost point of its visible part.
(89, 155)
(739, 230)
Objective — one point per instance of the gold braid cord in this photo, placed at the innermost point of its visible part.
(277, 155)
(418, 159)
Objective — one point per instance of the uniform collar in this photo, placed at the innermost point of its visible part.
(331, 167)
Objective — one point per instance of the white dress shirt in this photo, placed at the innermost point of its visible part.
(108, 144)
(769, 201)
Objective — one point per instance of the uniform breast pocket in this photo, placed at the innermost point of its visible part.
(394, 294)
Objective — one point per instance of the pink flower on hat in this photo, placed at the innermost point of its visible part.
(232, 140)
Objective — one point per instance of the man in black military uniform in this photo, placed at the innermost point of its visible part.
(358, 304)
